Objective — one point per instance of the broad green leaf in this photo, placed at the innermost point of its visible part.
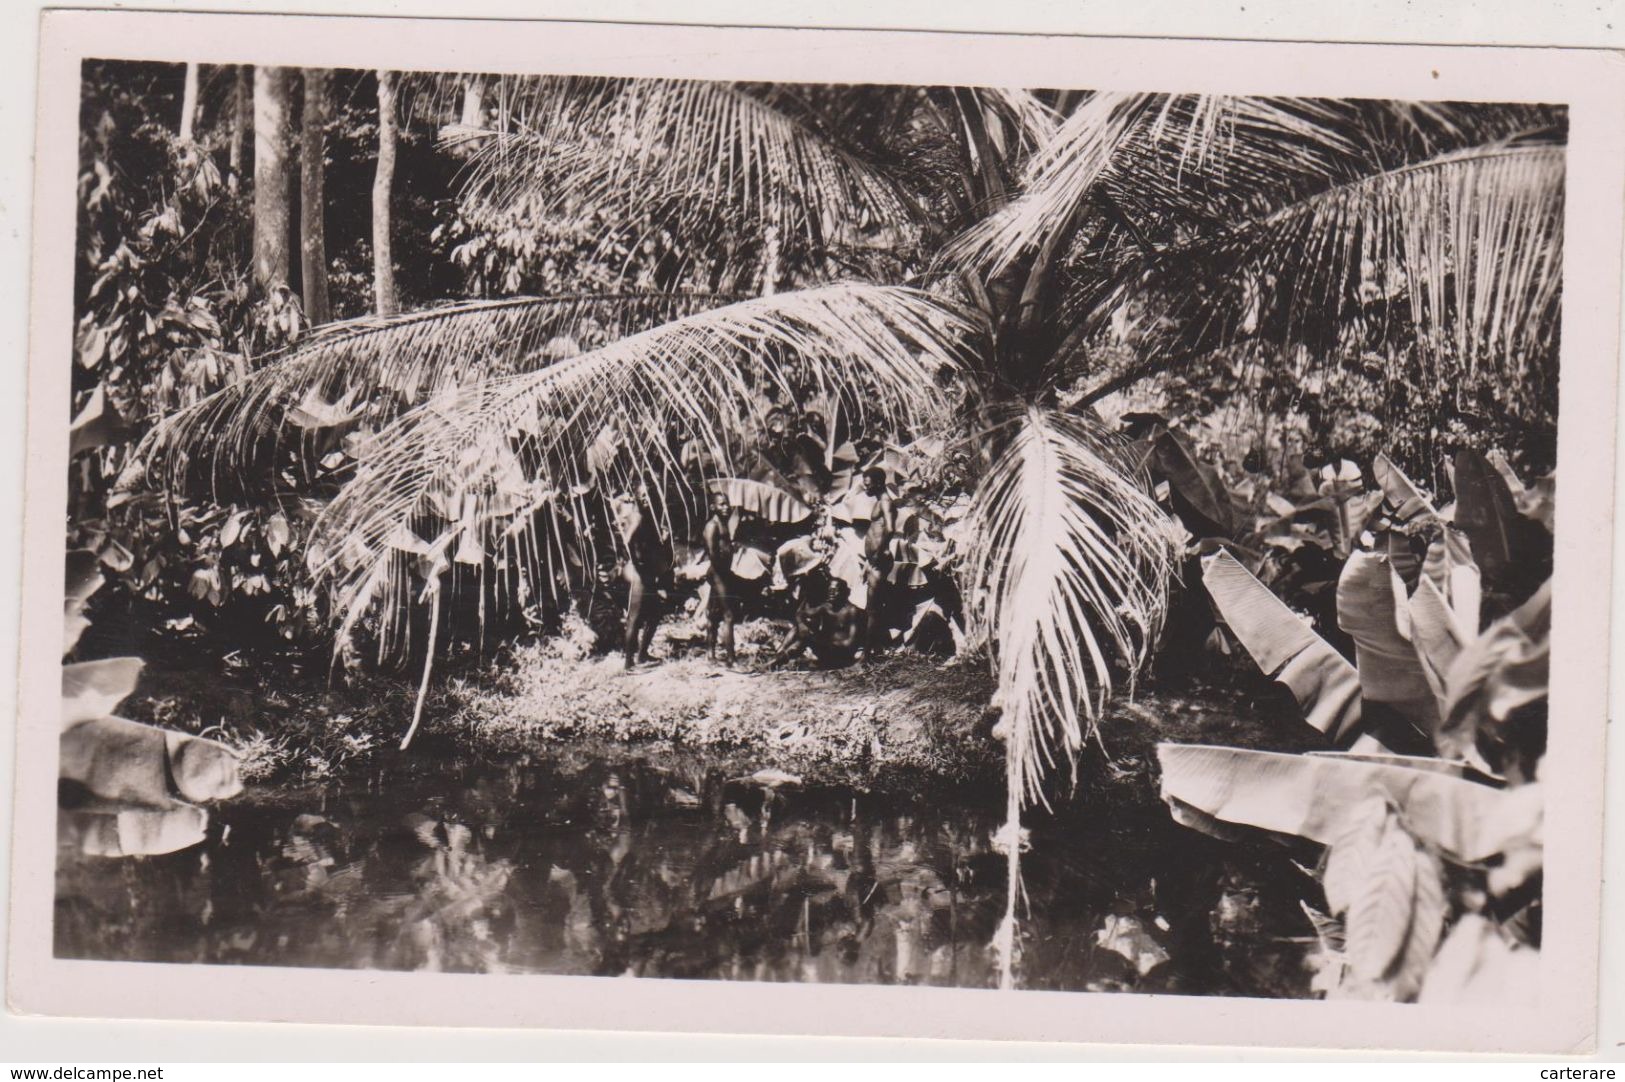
(1309, 796)
(1534, 501)
(84, 577)
(1450, 567)
(233, 528)
(1427, 915)
(767, 502)
(126, 762)
(1505, 668)
(1125, 935)
(1478, 965)
(277, 533)
(1435, 635)
(1370, 602)
(751, 563)
(1488, 515)
(138, 831)
(1406, 504)
(1378, 912)
(314, 411)
(96, 425)
(93, 689)
(798, 556)
(1197, 486)
(1284, 646)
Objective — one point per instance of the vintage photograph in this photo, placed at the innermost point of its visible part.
(834, 533)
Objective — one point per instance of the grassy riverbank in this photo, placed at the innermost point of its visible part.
(903, 720)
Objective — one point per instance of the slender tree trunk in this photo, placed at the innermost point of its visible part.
(771, 247)
(312, 202)
(383, 184)
(273, 175)
(243, 116)
(473, 102)
(189, 103)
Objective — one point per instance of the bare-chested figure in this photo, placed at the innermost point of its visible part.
(877, 540)
(648, 559)
(841, 631)
(719, 549)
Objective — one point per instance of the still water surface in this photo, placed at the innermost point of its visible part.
(627, 866)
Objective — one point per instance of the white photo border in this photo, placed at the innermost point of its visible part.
(1590, 82)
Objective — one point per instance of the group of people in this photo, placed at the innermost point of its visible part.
(632, 594)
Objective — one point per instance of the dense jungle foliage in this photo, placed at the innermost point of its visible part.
(1083, 388)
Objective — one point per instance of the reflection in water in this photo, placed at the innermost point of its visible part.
(610, 868)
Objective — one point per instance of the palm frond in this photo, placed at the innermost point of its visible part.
(473, 465)
(1183, 164)
(1459, 254)
(363, 373)
(1057, 179)
(689, 145)
(1069, 574)
(1031, 120)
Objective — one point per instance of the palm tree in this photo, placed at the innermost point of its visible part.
(1058, 246)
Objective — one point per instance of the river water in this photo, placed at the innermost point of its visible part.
(653, 867)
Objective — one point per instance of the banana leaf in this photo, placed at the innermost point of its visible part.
(96, 425)
(84, 577)
(136, 831)
(1285, 647)
(1371, 604)
(769, 503)
(751, 563)
(1450, 567)
(1312, 796)
(141, 765)
(1513, 551)
(1437, 637)
(797, 556)
(1493, 677)
(1477, 965)
(1404, 503)
(1534, 501)
(93, 689)
(1199, 494)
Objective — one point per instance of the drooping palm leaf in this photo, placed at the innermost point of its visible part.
(1460, 254)
(1068, 573)
(1161, 162)
(689, 146)
(363, 373)
(1057, 180)
(469, 461)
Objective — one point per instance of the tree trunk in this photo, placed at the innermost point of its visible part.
(312, 203)
(272, 175)
(189, 103)
(473, 102)
(771, 253)
(242, 106)
(383, 184)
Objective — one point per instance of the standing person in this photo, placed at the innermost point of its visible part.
(878, 561)
(719, 549)
(648, 558)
